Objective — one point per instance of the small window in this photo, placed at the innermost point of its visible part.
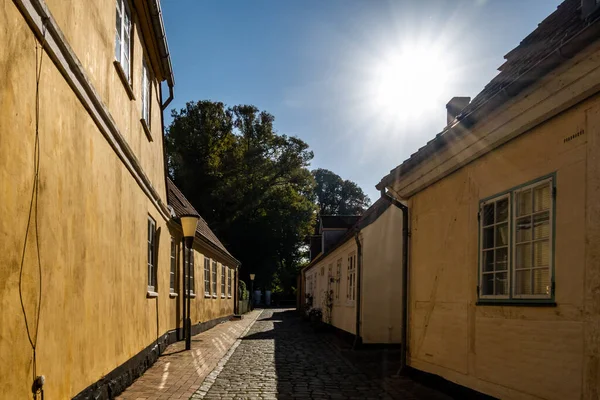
(206, 276)
(173, 266)
(146, 93)
(223, 280)
(152, 287)
(189, 260)
(350, 288)
(515, 243)
(123, 37)
(229, 279)
(214, 278)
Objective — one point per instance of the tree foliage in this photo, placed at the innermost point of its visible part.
(336, 196)
(251, 184)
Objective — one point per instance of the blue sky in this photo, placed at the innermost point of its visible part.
(327, 69)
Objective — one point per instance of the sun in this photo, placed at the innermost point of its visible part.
(409, 81)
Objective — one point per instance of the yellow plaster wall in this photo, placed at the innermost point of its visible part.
(92, 215)
(381, 313)
(505, 351)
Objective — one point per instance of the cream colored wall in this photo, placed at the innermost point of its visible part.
(92, 215)
(381, 303)
(506, 351)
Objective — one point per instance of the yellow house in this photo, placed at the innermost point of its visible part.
(354, 275)
(504, 210)
(89, 245)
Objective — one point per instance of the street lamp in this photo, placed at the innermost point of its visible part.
(252, 276)
(188, 225)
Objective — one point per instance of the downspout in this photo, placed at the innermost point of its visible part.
(404, 333)
(357, 338)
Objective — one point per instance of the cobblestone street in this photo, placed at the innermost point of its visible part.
(281, 357)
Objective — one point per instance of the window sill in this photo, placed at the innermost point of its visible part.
(214, 296)
(517, 303)
(150, 294)
(229, 296)
(124, 79)
(207, 295)
(222, 296)
(146, 130)
(173, 295)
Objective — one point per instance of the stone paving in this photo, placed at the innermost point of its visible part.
(281, 357)
(179, 373)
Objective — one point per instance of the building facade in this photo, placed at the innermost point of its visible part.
(88, 238)
(355, 280)
(505, 225)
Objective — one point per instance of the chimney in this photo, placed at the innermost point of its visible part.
(455, 106)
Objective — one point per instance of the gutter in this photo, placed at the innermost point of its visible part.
(357, 337)
(163, 47)
(405, 234)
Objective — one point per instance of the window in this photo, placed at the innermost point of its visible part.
(350, 288)
(189, 261)
(223, 280)
(173, 266)
(516, 231)
(152, 287)
(123, 37)
(214, 278)
(338, 278)
(206, 276)
(229, 279)
(146, 93)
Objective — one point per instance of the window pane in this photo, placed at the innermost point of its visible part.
(502, 210)
(488, 261)
(541, 197)
(488, 238)
(541, 281)
(523, 282)
(488, 214)
(502, 259)
(541, 225)
(502, 283)
(523, 229)
(487, 284)
(523, 255)
(524, 202)
(502, 235)
(541, 253)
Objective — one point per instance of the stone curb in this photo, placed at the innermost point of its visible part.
(214, 374)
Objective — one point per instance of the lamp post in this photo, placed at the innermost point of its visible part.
(188, 225)
(252, 276)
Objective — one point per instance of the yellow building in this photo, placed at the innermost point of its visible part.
(354, 274)
(87, 235)
(504, 209)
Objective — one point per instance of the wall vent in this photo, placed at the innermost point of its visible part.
(573, 136)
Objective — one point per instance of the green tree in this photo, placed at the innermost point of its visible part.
(251, 184)
(335, 196)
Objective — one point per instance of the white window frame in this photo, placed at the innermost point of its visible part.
(338, 278)
(229, 281)
(125, 27)
(223, 277)
(189, 260)
(550, 183)
(173, 271)
(146, 92)
(512, 196)
(508, 246)
(152, 285)
(214, 278)
(206, 276)
(351, 278)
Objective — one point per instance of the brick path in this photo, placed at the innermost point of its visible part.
(282, 358)
(178, 373)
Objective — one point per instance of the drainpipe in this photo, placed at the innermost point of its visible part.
(357, 338)
(404, 336)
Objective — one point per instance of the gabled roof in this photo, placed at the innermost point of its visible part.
(368, 217)
(537, 54)
(182, 206)
(338, 221)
